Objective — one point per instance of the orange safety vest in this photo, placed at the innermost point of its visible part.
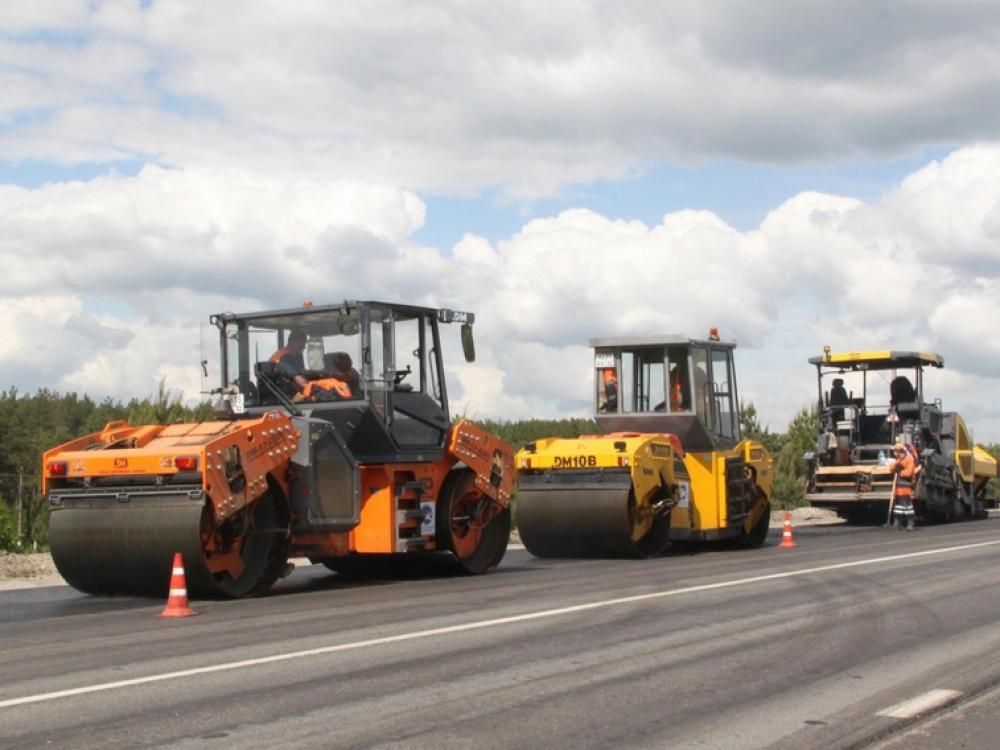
(610, 387)
(906, 468)
(610, 381)
(338, 388)
(676, 393)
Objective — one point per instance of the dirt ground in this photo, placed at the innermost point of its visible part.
(17, 571)
(23, 571)
(805, 517)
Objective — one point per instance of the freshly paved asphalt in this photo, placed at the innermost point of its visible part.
(722, 647)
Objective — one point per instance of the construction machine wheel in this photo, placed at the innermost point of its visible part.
(757, 535)
(262, 549)
(469, 525)
(586, 514)
(104, 546)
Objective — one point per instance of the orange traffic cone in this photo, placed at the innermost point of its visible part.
(177, 600)
(786, 535)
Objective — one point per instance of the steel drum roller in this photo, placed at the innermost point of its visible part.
(101, 545)
(583, 514)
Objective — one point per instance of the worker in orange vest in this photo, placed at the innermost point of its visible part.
(676, 389)
(291, 353)
(905, 469)
(610, 381)
(291, 359)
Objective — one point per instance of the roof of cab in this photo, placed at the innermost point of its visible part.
(634, 342)
(877, 360)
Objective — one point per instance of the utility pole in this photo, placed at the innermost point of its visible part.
(20, 502)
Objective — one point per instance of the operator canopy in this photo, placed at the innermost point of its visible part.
(877, 360)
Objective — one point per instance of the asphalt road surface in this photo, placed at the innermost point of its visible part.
(859, 637)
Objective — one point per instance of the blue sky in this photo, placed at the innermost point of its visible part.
(741, 194)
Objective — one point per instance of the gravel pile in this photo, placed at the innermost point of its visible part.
(18, 568)
(804, 517)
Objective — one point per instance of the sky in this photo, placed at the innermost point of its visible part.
(796, 174)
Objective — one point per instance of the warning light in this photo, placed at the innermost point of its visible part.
(186, 463)
(307, 304)
(713, 334)
(57, 468)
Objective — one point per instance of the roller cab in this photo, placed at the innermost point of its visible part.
(670, 463)
(343, 452)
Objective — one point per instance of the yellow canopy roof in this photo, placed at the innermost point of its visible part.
(877, 360)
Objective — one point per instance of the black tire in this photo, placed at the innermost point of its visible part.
(756, 537)
(477, 548)
(265, 551)
(655, 542)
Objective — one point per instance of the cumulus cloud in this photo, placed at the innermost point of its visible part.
(109, 282)
(207, 232)
(530, 97)
(820, 269)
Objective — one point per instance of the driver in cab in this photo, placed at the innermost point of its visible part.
(290, 359)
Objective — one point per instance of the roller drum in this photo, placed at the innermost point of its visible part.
(105, 544)
(102, 546)
(583, 514)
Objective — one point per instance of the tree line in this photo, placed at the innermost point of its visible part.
(30, 424)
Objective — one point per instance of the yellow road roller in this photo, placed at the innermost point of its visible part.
(670, 462)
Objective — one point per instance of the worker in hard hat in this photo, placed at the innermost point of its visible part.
(905, 469)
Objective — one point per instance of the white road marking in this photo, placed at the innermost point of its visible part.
(476, 625)
(920, 704)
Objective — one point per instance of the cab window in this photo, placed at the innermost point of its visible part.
(644, 376)
(723, 394)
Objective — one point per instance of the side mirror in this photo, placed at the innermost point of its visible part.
(468, 345)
